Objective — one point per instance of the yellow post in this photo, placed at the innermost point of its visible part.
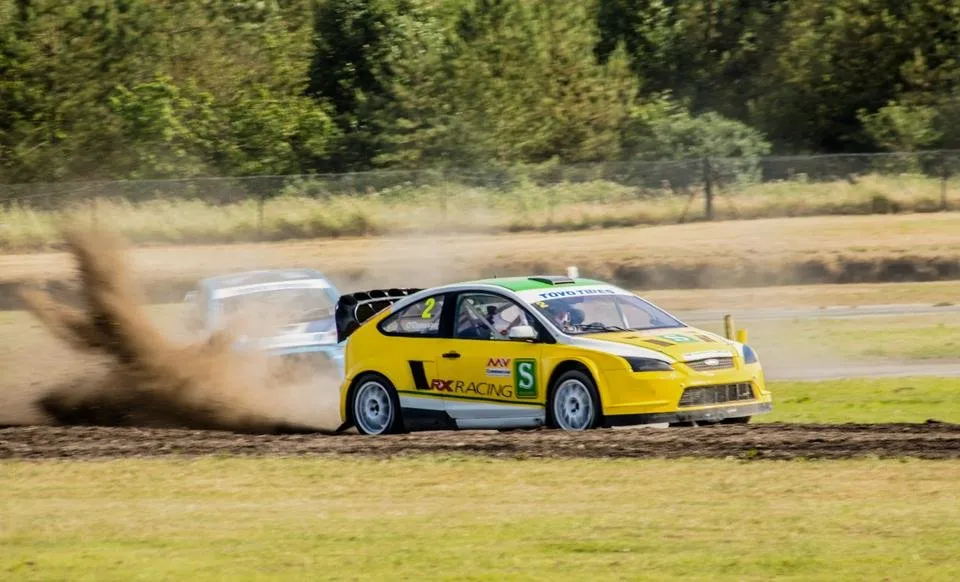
(728, 326)
(742, 336)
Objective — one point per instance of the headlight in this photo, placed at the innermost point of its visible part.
(749, 356)
(648, 365)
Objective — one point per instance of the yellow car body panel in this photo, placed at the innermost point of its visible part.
(504, 383)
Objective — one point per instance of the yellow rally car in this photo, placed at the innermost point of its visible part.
(523, 352)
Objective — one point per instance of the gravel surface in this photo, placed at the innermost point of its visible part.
(932, 440)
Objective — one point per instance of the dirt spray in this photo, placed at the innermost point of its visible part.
(148, 379)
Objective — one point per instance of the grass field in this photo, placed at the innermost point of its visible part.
(895, 337)
(790, 296)
(869, 401)
(454, 518)
(718, 254)
(456, 208)
(468, 518)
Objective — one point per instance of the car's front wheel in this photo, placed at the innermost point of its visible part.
(375, 407)
(574, 402)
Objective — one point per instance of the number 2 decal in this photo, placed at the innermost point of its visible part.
(428, 312)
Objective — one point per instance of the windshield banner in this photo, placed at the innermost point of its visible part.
(536, 295)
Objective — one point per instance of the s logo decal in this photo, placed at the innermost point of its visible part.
(525, 378)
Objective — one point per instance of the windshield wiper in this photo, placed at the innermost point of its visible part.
(602, 327)
(655, 327)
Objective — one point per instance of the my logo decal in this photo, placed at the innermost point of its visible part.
(498, 367)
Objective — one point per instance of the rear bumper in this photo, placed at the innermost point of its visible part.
(715, 413)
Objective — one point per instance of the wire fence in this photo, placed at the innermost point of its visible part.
(548, 196)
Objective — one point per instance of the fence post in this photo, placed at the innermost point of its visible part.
(261, 200)
(443, 194)
(708, 188)
(729, 328)
(944, 176)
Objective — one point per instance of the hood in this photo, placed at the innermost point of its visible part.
(681, 344)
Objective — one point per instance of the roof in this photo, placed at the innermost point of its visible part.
(534, 282)
(514, 284)
(261, 276)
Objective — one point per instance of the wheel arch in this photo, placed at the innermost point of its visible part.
(578, 364)
(575, 365)
(346, 407)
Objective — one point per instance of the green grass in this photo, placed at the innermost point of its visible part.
(456, 518)
(886, 338)
(865, 400)
(455, 208)
(798, 296)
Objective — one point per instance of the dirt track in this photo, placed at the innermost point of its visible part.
(798, 250)
(770, 441)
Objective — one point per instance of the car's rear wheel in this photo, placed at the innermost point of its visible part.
(574, 402)
(375, 406)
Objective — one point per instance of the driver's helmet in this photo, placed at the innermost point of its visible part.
(564, 313)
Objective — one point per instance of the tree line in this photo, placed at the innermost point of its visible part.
(128, 89)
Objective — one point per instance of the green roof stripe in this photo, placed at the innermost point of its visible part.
(525, 283)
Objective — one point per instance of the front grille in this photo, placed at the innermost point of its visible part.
(710, 364)
(707, 395)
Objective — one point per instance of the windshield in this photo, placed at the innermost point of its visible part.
(279, 306)
(602, 313)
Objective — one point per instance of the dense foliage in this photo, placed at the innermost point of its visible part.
(93, 89)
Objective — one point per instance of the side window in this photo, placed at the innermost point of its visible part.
(486, 316)
(421, 318)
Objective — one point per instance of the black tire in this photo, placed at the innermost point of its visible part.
(736, 420)
(374, 406)
(574, 389)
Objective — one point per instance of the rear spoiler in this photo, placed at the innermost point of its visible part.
(353, 309)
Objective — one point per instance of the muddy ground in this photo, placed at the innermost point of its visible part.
(931, 440)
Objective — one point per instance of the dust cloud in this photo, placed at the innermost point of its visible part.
(146, 378)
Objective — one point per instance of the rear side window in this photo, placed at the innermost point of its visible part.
(420, 319)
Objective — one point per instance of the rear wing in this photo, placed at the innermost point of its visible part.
(354, 309)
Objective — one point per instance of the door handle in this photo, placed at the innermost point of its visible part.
(451, 355)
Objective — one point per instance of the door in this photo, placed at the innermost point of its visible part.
(410, 361)
(489, 380)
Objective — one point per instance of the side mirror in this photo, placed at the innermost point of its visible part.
(523, 333)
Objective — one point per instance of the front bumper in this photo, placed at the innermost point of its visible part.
(713, 414)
